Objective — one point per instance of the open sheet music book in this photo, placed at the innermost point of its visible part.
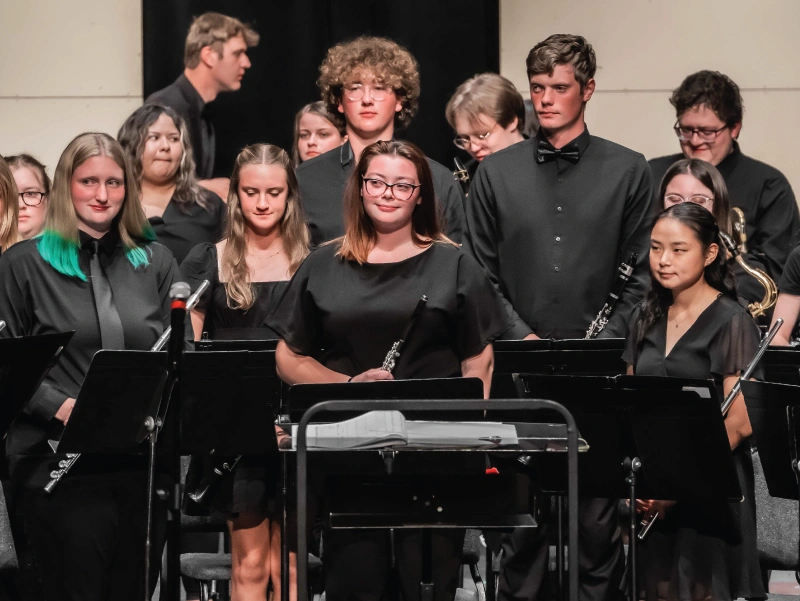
(378, 429)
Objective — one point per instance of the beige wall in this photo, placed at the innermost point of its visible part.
(68, 67)
(646, 47)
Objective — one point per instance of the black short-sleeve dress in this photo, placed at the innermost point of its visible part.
(709, 550)
(347, 316)
(252, 486)
(180, 228)
(790, 280)
(222, 322)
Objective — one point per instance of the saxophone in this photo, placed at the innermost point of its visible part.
(756, 309)
(462, 175)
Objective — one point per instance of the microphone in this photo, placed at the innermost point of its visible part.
(179, 292)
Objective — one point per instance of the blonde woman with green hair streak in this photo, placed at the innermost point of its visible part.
(94, 270)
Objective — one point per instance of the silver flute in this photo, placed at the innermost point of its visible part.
(66, 464)
(726, 405)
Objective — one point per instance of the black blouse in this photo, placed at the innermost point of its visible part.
(180, 230)
(790, 280)
(37, 299)
(347, 316)
(721, 342)
(222, 322)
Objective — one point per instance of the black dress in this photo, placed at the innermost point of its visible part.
(252, 487)
(705, 550)
(181, 228)
(347, 316)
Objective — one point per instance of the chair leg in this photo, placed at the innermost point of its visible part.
(204, 591)
(476, 578)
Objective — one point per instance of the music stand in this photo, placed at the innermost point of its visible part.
(782, 364)
(415, 406)
(24, 362)
(631, 424)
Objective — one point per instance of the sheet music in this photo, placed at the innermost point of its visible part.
(371, 430)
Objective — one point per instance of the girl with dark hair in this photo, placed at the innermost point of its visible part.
(690, 325)
(182, 212)
(351, 300)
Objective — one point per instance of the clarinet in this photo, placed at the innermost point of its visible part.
(624, 274)
(390, 361)
(66, 464)
(726, 404)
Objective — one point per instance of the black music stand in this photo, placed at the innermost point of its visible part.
(774, 411)
(437, 405)
(782, 364)
(24, 362)
(631, 424)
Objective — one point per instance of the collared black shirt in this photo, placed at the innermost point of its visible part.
(765, 197)
(182, 98)
(552, 235)
(37, 299)
(322, 181)
(180, 229)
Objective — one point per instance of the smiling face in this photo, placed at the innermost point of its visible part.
(367, 116)
(388, 214)
(263, 191)
(703, 119)
(98, 191)
(31, 219)
(559, 101)
(677, 257)
(316, 135)
(228, 69)
(163, 152)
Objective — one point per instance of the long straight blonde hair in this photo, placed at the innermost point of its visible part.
(59, 242)
(294, 233)
(9, 207)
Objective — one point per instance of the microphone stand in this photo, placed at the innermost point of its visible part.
(179, 293)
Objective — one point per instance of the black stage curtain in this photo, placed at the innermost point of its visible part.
(451, 39)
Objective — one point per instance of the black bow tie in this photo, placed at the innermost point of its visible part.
(545, 152)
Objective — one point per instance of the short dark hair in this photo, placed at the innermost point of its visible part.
(712, 89)
(563, 49)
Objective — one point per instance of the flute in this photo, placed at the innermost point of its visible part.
(726, 405)
(66, 464)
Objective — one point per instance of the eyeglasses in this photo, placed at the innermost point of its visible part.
(699, 199)
(32, 198)
(355, 91)
(706, 135)
(465, 142)
(400, 190)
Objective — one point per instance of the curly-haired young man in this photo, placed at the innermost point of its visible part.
(709, 109)
(373, 83)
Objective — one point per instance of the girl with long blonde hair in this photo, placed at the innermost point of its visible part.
(265, 241)
(96, 271)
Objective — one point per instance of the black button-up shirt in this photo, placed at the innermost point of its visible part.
(322, 181)
(37, 299)
(552, 235)
(765, 197)
(182, 98)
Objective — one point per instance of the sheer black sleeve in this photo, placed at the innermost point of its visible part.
(201, 264)
(482, 318)
(735, 345)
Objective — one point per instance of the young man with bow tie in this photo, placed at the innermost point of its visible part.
(551, 219)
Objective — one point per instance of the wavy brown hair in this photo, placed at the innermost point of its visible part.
(359, 234)
(390, 63)
(294, 233)
(9, 210)
(563, 49)
(133, 135)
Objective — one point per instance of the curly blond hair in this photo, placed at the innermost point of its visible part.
(387, 60)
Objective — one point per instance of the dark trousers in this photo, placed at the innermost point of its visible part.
(87, 538)
(601, 559)
(358, 564)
